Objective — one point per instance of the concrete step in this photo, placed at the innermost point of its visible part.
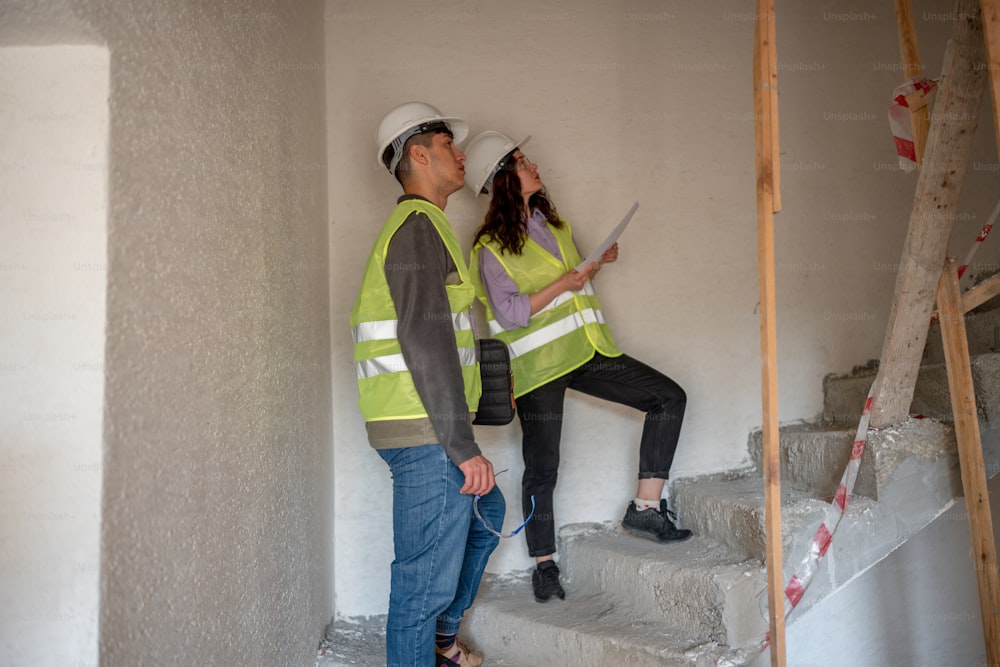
(729, 510)
(698, 587)
(813, 458)
(513, 630)
(844, 396)
(982, 328)
(701, 595)
(913, 466)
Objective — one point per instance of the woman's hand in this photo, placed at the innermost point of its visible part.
(574, 280)
(610, 255)
(571, 281)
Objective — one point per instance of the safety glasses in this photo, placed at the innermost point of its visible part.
(486, 524)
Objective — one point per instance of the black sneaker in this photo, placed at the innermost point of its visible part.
(654, 524)
(545, 581)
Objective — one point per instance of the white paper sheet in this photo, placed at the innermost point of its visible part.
(610, 240)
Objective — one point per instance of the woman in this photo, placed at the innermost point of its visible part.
(548, 314)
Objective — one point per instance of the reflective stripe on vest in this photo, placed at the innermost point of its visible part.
(364, 332)
(556, 329)
(394, 363)
(563, 335)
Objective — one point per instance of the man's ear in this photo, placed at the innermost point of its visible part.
(419, 154)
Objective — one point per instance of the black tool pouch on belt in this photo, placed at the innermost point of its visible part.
(496, 407)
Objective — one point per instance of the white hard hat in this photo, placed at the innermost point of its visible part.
(406, 120)
(483, 155)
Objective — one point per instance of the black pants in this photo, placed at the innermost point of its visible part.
(620, 379)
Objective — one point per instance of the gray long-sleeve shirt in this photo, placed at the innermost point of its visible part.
(417, 268)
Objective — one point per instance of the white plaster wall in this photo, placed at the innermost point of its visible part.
(217, 388)
(53, 270)
(650, 101)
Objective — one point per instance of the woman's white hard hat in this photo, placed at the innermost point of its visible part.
(482, 157)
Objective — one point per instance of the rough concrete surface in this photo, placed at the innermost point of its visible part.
(635, 602)
(353, 641)
(698, 587)
(925, 439)
(812, 457)
(588, 623)
(982, 328)
(913, 470)
(585, 629)
(730, 510)
(216, 452)
(844, 396)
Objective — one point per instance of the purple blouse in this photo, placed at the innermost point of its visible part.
(511, 308)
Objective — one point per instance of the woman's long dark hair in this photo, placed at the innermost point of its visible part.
(505, 219)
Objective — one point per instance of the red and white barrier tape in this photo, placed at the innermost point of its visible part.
(979, 240)
(899, 119)
(834, 513)
(821, 541)
(976, 245)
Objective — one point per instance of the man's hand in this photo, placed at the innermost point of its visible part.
(479, 478)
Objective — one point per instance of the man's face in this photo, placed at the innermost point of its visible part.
(447, 163)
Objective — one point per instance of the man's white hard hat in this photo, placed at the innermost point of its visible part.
(482, 157)
(406, 120)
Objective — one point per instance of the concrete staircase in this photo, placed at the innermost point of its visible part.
(703, 601)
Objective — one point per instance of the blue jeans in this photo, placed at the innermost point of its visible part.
(440, 547)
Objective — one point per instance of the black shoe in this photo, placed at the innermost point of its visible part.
(654, 524)
(545, 581)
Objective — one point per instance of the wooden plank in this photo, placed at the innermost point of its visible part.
(981, 293)
(909, 57)
(920, 122)
(970, 456)
(765, 149)
(991, 34)
(939, 185)
(772, 83)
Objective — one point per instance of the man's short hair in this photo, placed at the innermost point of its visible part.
(423, 137)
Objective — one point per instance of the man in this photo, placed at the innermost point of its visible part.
(418, 382)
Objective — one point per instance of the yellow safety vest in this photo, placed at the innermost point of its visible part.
(385, 385)
(562, 336)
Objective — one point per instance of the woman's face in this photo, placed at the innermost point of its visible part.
(527, 173)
